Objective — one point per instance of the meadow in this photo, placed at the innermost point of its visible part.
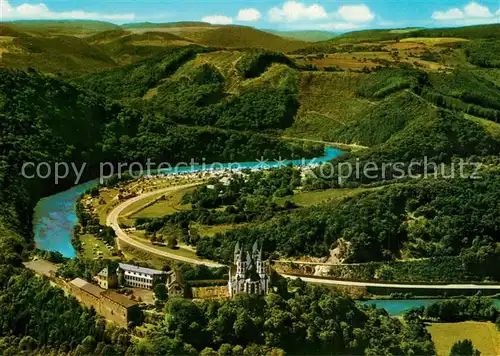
(484, 336)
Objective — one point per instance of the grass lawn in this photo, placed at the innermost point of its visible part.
(317, 197)
(104, 209)
(90, 249)
(211, 230)
(484, 336)
(170, 205)
(132, 208)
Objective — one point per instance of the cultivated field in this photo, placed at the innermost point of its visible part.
(484, 336)
(433, 41)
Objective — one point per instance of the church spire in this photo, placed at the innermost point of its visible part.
(237, 252)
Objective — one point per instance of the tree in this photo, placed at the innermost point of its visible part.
(464, 348)
(208, 351)
(27, 343)
(161, 292)
(225, 350)
(172, 242)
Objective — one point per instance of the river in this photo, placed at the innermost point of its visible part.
(397, 307)
(55, 216)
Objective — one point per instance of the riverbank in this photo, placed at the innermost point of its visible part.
(55, 216)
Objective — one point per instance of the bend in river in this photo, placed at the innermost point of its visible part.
(55, 216)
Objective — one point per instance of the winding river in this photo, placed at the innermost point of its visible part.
(55, 216)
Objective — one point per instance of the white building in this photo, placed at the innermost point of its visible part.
(147, 278)
(139, 277)
(248, 274)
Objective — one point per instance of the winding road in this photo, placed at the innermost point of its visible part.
(112, 221)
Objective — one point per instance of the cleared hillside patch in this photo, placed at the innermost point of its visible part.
(378, 123)
(328, 100)
(490, 127)
(225, 62)
(278, 75)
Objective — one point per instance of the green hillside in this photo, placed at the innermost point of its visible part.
(469, 32)
(135, 80)
(60, 54)
(149, 25)
(306, 36)
(127, 47)
(221, 35)
(247, 37)
(78, 28)
(421, 102)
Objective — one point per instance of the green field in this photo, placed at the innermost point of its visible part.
(170, 205)
(90, 249)
(433, 41)
(211, 230)
(484, 336)
(107, 198)
(322, 196)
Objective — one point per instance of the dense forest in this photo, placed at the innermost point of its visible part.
(311, 320)
(44, 119)
(431, 218)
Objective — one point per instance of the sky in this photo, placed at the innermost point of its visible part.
(330, 15)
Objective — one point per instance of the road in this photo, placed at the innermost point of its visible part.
(351, 146)
(112, 221)
(394, 285)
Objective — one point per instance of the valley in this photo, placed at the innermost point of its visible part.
(382, 182)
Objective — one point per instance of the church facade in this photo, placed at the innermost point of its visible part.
(248, 274)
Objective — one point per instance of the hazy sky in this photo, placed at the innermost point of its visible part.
(341, 15)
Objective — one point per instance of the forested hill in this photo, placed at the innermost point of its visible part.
(431, 96)
(181, 91)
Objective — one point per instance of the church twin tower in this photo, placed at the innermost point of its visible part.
(248, 274)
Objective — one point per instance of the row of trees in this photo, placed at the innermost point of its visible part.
(455, 310)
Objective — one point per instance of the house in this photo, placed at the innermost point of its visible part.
(139, 277)
(107, 278)
(248, 274)
(175, 284)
